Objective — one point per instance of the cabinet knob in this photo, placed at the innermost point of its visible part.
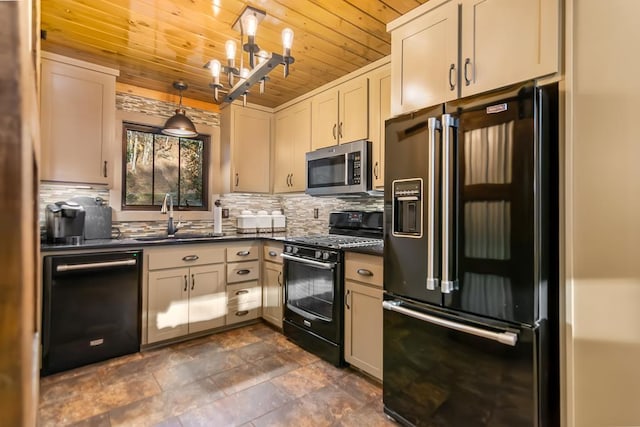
(452, 68)
(237, 179)
(243, 272)
(467, 80)
(242, 291)
(104, 170)
(193, 281)
(364, 272)
(186, 283)
(334, 131)
(375, 170)
(346, 300)
(340, 130)
(273, 253)
(242, 313)
(190, 258)
(243, 253)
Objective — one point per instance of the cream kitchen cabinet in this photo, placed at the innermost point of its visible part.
(363, 312)
(501, 42)
(379, 111)
(246, 144)
(272, 289)
(292, 141)
(77, 116)
(186, 291)
(340, 114)
(244, 294)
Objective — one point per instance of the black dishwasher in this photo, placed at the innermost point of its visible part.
(90, 308)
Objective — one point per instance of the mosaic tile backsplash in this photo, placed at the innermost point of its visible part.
(297, 208)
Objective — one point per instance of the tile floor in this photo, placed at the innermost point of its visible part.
(251, 376)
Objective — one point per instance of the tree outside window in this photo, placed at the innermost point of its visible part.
(156, 164)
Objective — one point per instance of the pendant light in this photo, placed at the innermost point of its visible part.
(179, 124)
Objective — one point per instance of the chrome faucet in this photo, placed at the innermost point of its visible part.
(171, 229)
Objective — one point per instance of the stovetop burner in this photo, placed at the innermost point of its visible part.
(337, 241)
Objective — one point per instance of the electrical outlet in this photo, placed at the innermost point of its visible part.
(316, 212)
(225, 213)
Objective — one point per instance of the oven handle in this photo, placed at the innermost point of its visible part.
(508, 338)
(94, 265)
(323, 265)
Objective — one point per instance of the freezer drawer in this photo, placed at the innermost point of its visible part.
(442, 370)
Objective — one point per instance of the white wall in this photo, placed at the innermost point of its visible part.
(603, 213)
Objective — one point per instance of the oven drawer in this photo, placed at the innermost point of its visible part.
(363, 268)
(243, 271)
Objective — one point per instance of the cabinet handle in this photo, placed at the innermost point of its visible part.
(243, 272)
(237, 179)
(273, 253)
(452, 68)
(242, 313)
(186, 284)
(346, 300)
(467, 62)
(193, 281)
(104, 170)
(190, 258)
(334, 130)
(364, 272)
(291, 180)
(243, 253)
(280, 278)
(375, 170)
(340, 130)
(242, 291)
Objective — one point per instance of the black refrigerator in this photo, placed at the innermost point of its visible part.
(471, 262)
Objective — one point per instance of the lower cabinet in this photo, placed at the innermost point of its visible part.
(363, 312)
(272, 285)
(244, 295)
(186, 292)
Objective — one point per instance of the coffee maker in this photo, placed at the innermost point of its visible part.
(65, 222)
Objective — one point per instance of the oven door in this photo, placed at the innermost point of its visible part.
(313, 296)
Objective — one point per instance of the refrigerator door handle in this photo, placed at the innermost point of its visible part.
(507, 338)
(432, 280)
(449, 281)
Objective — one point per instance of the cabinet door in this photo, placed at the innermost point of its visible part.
(293, 141)
(251, 147)
(324, 125)
(77, 123)
(379, 111)
(207, 297)
(424, 58)
(354, 110)
(272, 293)
(168, 315)
(363, 327)
(507, 41)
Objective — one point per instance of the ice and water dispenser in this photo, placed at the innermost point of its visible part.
(407, 207)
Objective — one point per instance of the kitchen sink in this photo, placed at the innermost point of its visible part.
(178, 237)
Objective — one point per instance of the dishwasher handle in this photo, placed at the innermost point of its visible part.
(95, 265)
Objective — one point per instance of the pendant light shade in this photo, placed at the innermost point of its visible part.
(179, 124)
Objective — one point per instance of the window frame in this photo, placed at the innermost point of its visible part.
(206, 153)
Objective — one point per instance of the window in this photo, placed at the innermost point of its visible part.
(156, 164)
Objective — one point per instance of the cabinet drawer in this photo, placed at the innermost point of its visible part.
(242, 271)
(363, 268)
(242, 253)
(242, 313)
(244, 293)
(184, 256)
(272, 251)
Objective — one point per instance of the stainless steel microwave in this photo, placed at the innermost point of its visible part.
(343, 169)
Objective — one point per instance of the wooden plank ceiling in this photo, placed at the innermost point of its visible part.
(156, 42)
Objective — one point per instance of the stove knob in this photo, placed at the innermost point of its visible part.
(325, 255)
(318, 254)
(287, 248)
(295, 250)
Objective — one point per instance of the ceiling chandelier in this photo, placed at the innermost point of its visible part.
(179, 124)
(240, 79)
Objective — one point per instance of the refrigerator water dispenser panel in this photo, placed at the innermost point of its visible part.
(407, 208)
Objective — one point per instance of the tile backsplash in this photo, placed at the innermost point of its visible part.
(298, 209)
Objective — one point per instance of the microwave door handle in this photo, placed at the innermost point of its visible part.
(346, 169)
(449, 281)
(432, 281)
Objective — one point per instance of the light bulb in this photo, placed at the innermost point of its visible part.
(244, 73)
(230, 48)
(263, 55)
(251, 24)
(287, 38)
(215, 68)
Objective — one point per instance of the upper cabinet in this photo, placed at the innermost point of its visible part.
(341, 114)
(246, 139)
(292, 142)
(78, 106)
(446, 49)
(379, 111)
